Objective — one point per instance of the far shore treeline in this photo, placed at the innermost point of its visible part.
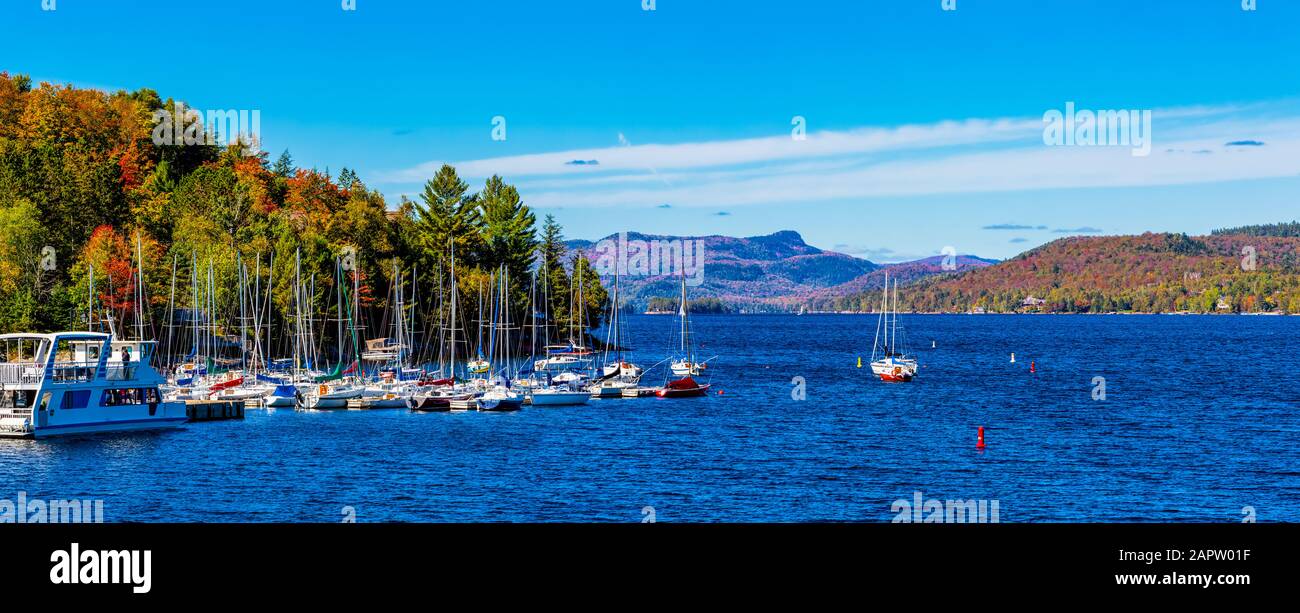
(81, 179)
(1255, 269)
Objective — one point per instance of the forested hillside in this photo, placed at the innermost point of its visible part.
(1151, 273)
(82, 182)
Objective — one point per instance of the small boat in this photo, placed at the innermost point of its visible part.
(640, 392)
(559, 396)
(682, 388)
(332, 396)
(285, 396)
(611, 388)
(561, 358)
(385, 399)
(499, 399)
(893, 366)
(254, 392)
(686, 368)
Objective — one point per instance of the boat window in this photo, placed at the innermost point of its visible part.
(122, 397)
(16, 399)
(75, 361)
(76, 399)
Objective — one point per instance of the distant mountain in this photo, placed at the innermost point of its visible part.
(765, 272)
(1150, 273)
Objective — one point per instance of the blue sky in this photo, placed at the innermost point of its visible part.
(924, 126)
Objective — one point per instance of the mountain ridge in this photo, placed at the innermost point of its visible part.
(766, 272)
(1256, 272)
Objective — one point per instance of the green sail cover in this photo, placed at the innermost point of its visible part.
(335, 375)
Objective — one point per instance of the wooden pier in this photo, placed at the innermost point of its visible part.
(214, 410)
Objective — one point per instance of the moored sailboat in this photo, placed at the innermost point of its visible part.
(685, 366)
(893, 365)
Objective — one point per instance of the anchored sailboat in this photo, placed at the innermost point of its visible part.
(894, 364)
(686, 366)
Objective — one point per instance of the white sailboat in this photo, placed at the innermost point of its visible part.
(617, 373)
(686, 365)
(333, 391)
(888, 360)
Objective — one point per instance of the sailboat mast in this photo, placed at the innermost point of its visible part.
(895, 315)
(452, 360)
(683, 313)
(139, 293)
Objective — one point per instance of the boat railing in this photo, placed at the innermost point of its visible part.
(73, 372)
(120, 372)
(20, 373)
(19, 412)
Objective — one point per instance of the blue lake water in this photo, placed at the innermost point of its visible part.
(1201, 418)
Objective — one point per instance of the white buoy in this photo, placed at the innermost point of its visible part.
(934, 344)
(1013, 358)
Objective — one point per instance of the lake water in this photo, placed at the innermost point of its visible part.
(1200, 419)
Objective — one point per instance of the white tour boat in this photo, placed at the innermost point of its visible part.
(80, 383)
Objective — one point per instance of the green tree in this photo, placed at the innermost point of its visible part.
(509, 234)
(449, 216)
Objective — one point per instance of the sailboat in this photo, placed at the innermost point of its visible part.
(390, 391)
(499, 395)
(439, 395)
(544, 390)
(331, 391)
(685, 367)
(894, 365)
(573, 356)
(617, 374)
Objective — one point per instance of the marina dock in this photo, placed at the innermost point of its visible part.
(214, 410)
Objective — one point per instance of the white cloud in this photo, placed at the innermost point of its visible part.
(953, 157)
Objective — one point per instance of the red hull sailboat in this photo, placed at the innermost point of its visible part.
(682, 388)
(686, 386)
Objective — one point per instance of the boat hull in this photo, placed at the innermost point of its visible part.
(683, 392)
(604, 391)
(500, 404)
(894, 372)
(144, 425)
(640, 392)
(560, 399)
(336, 400)
(435, 403)
(281, 402)
(395, 402)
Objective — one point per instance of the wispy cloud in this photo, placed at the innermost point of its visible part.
(946, 158)
(1011, 226)
(1083, 230)
(1018, 240)
(1244, 143)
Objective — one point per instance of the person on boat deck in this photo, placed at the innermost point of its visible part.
(126, 362)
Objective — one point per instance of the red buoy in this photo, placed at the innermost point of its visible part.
(719, 392)
(1033, 367)
(980, 443)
